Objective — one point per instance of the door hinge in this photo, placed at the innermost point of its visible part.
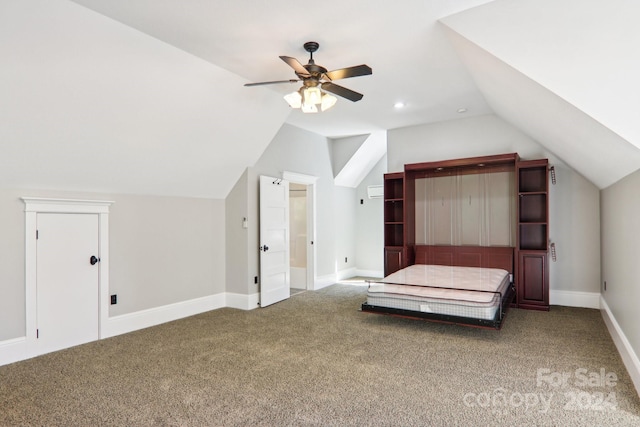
(37, 333)
(37, 234)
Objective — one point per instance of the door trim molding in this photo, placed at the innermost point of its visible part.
(299, 178)
(36, 205)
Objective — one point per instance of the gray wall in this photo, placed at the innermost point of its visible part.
(163, 250)
(369, 224)
(12, 264)
(471, 137)
(620, 210)
(237, 262)
(345, 202)
(342, 149)
(296, 150)
(574, 215)
(341, 222)
(574, 202)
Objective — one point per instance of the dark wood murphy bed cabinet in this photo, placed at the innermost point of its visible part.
(532, 218)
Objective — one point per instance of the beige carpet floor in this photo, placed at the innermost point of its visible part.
(316, 360)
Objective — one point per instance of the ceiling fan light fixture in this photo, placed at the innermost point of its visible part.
(328, 101)
(310, 98)
(309, 108)
(294, 99)
(312, 95)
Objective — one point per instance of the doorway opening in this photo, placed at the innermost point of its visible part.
(298, 237)
(301, 231)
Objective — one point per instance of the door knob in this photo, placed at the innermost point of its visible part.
(93, 260)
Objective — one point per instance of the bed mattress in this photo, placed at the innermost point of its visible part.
(456, 291)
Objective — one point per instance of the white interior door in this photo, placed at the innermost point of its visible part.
(67, 289)
(274, 240)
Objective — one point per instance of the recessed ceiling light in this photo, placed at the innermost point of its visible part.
(462, 110)
(399, 104)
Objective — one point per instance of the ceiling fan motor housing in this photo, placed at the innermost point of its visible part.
(315, 70)
(311, 46)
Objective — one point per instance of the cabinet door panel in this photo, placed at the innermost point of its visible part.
(442, 257)
(532, 288)
(469, 258)
(393, 260)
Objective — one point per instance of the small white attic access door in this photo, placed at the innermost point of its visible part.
(274, 240)
(67, 280)
(65, 293)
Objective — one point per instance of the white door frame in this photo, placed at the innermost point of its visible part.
(36, 205)
(310, 182)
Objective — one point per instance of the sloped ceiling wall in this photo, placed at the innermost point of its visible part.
(89, 104)
(353, 158)
(79, 89)
(563, 71)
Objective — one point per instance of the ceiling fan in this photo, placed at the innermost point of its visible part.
(316, 79)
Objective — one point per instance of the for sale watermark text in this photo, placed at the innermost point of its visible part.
(576, 390)
(581, 377)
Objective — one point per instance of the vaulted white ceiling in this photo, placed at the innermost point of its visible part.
(89, 104)
(147, 97)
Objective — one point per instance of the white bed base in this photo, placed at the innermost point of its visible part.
(467, 295)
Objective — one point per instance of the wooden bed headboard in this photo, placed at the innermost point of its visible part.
(466, 256)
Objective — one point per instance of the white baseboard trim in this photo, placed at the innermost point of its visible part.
(13, 350)
(324, 281)
(370, 273)
(575, 299)
(154, 316)
(346, 273)
(242, 301)
(629, 357)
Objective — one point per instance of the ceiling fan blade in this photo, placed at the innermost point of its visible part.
(272, 82)
(296, 65)
(344, 73)
(342, 91)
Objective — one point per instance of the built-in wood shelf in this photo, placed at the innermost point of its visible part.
(394, 227)
(533, 234)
